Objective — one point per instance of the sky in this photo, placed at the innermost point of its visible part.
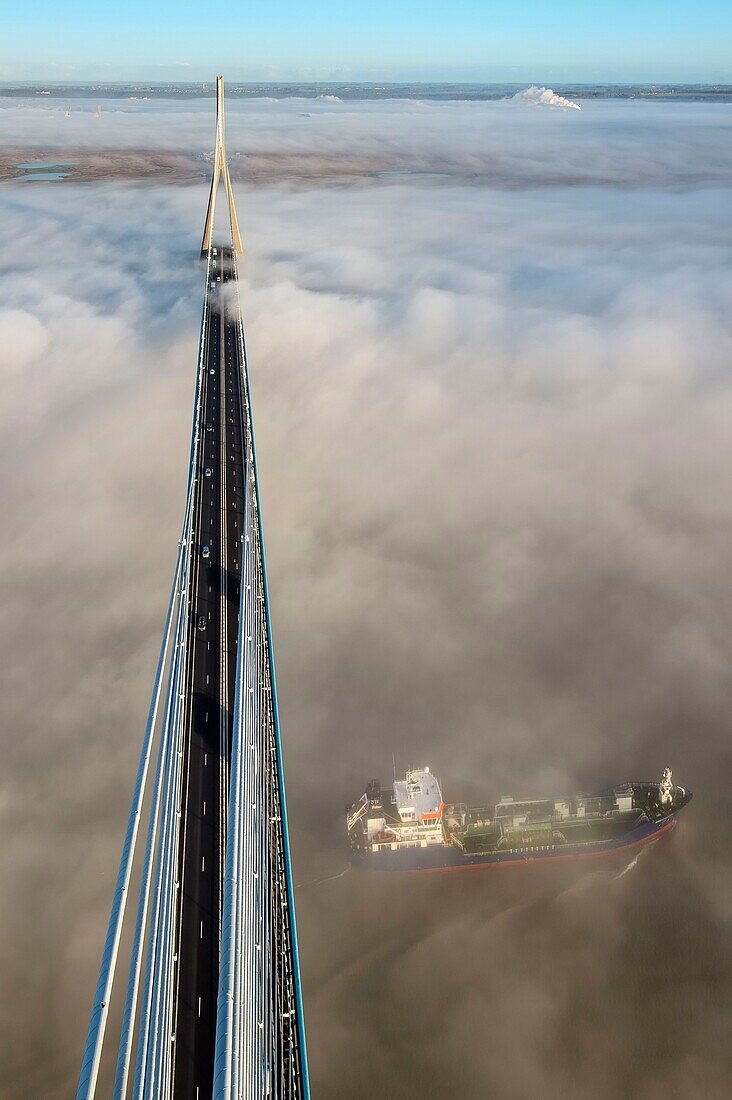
(467, 40)
(492, 411)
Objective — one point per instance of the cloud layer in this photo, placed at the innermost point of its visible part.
(609, 144)
(494, 440)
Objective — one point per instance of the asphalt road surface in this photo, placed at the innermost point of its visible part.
(210, 682)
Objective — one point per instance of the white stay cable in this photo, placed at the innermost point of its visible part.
(148, 1036)
(100, 1010)
(100, 1007)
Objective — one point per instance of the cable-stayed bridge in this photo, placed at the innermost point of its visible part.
(212, 1005)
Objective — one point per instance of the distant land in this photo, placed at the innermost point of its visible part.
(359, 91)
(82, 153)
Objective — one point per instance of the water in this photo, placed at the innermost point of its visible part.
(404, 174)
(35, 173)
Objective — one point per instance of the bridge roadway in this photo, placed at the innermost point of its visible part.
(210, 682)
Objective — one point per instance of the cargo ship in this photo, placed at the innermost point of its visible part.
(408, 826)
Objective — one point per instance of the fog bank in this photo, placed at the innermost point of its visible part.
(493, 434)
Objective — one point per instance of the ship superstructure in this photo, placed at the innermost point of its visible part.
(409, 827)
(408, 816)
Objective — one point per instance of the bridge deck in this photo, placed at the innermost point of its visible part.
(218, 1010)
(210, 684)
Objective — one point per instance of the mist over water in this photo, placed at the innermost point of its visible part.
(493, 436)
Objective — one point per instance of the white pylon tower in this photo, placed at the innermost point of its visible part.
(221, 171)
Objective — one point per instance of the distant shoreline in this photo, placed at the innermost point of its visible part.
(355, 91)
(314, 169)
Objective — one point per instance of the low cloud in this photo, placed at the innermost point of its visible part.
(23, 339)
(493, 432)
(626, 145)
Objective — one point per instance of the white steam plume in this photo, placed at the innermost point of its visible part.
(538, 97)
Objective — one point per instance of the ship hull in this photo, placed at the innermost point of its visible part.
(449, 857)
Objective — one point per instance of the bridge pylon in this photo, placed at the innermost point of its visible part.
(221, 172)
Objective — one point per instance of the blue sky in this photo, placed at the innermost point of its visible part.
(634, 40)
